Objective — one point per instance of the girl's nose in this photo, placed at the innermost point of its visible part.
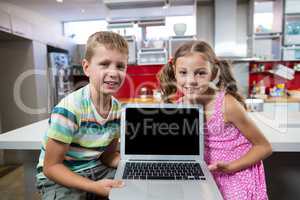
(191, 80)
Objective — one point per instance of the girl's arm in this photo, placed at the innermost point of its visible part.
(111, 156)
(59, 173)
(236, 114)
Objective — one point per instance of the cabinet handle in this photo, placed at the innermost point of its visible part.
(4, 28)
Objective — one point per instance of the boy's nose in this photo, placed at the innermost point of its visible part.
(112, 73)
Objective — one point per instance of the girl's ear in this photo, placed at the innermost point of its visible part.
(85, 66)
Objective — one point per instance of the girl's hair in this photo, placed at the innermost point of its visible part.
(222, 69)
(109, 40)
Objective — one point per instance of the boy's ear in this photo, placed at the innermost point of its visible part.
(85, 67)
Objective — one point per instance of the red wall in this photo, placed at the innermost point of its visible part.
(270, 79)
(137, 77)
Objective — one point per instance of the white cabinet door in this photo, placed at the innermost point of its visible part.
(21, 27)
(292, 6)
(5, 22)
(281, 107)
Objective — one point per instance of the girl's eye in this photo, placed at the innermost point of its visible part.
(182, 72)
(201, 73)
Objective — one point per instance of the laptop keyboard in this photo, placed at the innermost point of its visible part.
(163, 171)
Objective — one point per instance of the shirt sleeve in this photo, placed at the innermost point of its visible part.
(63, 125)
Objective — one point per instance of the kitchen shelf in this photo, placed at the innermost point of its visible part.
(263, 72)
(292, 14)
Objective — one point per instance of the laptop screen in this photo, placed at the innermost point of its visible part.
(162, 131)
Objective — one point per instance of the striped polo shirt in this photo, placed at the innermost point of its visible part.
(76, 122)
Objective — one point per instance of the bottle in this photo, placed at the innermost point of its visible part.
(262, 88)
(254, 89)
(254, 68)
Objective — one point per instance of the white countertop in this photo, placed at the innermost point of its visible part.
(28, 137)
(282, 130)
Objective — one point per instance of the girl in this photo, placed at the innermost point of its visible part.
(234, 146)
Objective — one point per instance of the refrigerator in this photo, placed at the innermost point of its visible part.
(60, 76)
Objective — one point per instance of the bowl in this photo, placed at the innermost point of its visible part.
(179, 29)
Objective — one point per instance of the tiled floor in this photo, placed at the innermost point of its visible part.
(12, 186)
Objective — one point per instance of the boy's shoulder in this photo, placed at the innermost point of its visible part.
(116, 105)
(74, 100)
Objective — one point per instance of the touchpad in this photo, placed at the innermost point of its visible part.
(165, 191)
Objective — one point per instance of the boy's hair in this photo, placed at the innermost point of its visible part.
(226, 80)
(109, 40)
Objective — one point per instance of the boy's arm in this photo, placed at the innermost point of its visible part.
(55, 170)
(111, 156)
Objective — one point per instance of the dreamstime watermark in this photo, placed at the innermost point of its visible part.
(17, 92)
(148, 127)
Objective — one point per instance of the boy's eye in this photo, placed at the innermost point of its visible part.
(121, 67)
(105, 64)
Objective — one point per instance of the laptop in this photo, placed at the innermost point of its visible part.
(162, 148)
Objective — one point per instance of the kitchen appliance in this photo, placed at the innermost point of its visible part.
(255, 105)
(176, 41)
(60, 76)
(152, 56)
(132, 49)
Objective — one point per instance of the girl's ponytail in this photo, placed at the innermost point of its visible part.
(166, 77)
(227, 81)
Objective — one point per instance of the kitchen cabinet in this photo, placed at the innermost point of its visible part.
(291, 51)
(261, 72)
(21, 27)
(5, 22)
(281, 107)
(267, 40)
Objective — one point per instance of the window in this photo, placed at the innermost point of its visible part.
(263, 17)
(81, 30)
(166, 31)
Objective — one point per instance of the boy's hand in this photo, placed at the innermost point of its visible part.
(220, 166)
(103, 187)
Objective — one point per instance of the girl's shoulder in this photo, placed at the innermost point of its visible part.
(232, 108)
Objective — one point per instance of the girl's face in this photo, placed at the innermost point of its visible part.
(106, 70)
(193, 75)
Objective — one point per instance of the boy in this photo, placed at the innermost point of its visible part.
(79, 151)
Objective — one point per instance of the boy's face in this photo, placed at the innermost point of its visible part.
(193, 75)
(106, 69)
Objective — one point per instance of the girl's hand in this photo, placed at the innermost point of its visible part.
(104, 186)
(220, 166)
